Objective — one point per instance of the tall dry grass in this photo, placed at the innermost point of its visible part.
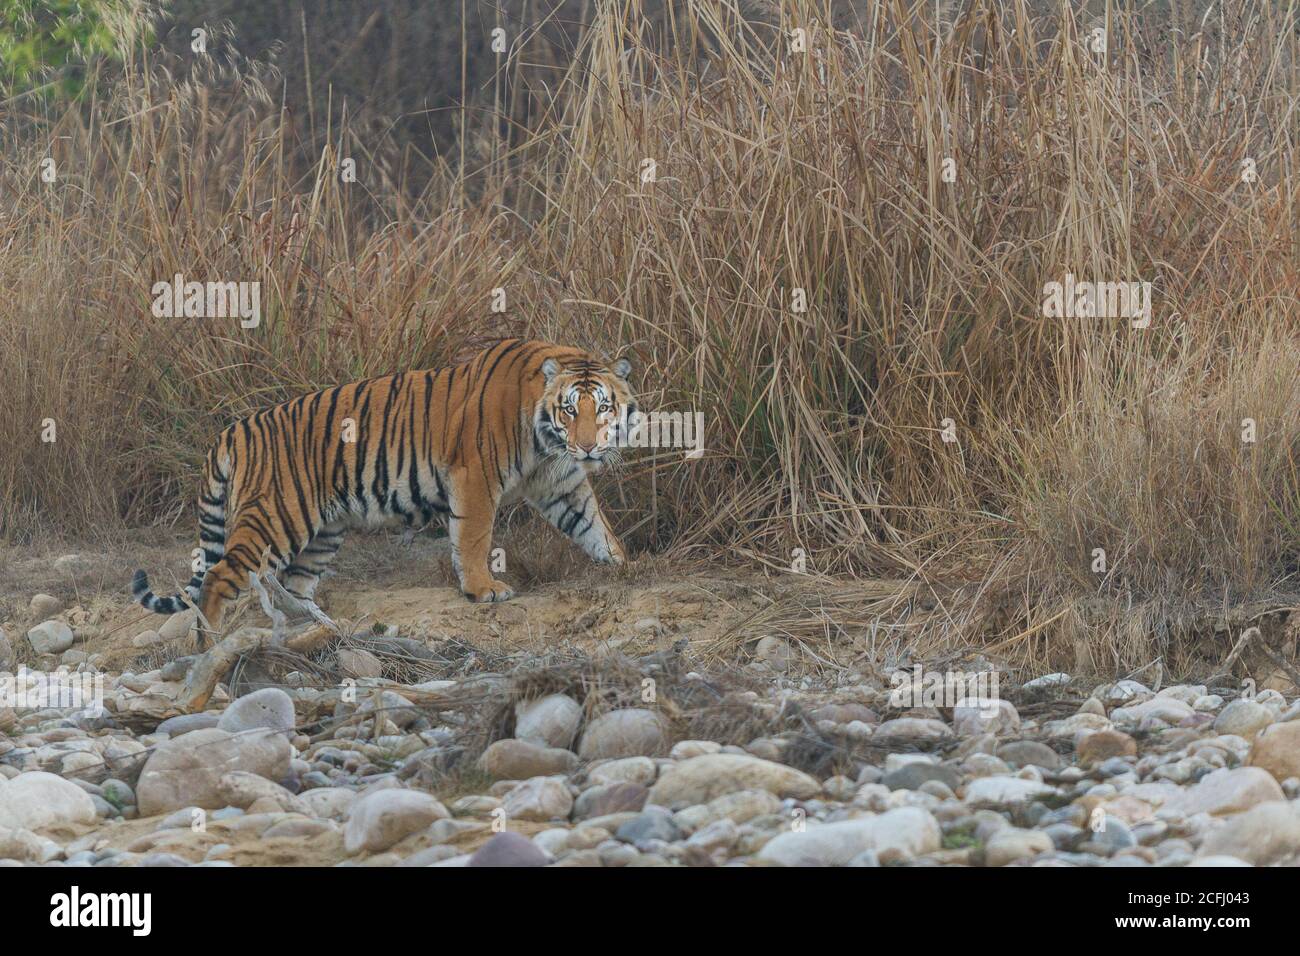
(775, 172)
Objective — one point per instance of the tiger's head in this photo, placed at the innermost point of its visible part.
(585, 410)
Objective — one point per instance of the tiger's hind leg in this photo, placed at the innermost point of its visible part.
(304, 573)
(255, 546)
(277, 617)
(306, 605)
(297, 583)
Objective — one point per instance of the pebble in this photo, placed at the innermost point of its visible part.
(36, 799)
(640, 770)
(604, 799)
(50, 637)
(1024, 753)
(266, 709)
(978, 715)
(914, 728)
(379, 820)
(912, 775)
(187, 771)
(508, 849)
(701, 779)
(1102, 745)
(1005, 791)
(1009, 844)
(513, 759)
(1244, 718)
(1169, 778)
(1276, 749)
(540, 798)
(550, 721)
(358, 663)
(44, 605)
(624, 733)
(652, 823)
(1266, 833)
(1227, 791)
(895, 836)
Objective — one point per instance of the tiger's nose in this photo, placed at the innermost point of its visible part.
(587, 446)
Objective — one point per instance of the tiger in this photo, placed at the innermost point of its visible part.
(523, 419)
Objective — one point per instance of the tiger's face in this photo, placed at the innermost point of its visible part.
(585, 410)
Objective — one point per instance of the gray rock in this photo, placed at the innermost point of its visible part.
(50, 637)
(118, 792)
(1029, 753)
(541, 798)
(508, 849)
(44, 605)
(433, 856)
(267, 709)
(382, 818)
(624, 733)
(912, 775)
(739, 807)
(1227, 791)
(984, 715)
(38, 799)
(299, 829)
(333, 803)
(702, 779)
(185, 723)
(550, 721)
(652, 823)
(604, 799)
(242, 789)
(1276, 749)
(640, 770)
(146, 639)
(1244, 717)
(914, 728)
(894, 836)
(513, 759)
(1010, 844)
(1113, 834)
(1266, 833)
(357, 662)
(1005, 791)
(1065, 836)
(187, 771)
(178, 625)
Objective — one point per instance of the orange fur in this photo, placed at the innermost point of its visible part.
(523, 418)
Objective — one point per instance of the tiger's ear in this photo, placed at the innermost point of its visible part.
(550, 368)
(623, 368)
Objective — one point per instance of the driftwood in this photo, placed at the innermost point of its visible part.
(214, 664)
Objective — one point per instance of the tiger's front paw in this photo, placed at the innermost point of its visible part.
(493, 592)
(612, 554)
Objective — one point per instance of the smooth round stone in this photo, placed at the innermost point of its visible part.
(509, 849)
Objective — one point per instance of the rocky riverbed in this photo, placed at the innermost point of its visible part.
(612, 760)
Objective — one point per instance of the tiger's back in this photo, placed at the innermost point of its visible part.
(283, 485)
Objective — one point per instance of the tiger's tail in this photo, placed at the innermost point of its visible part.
(212, 541)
